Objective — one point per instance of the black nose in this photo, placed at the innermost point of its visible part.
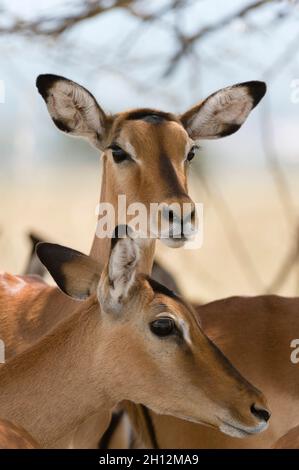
(260, 413)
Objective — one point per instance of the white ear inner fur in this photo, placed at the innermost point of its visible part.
(126, 251)
(230, 105)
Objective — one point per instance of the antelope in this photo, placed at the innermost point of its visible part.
(15, 437)
(255, 333)
(122, 320)
(146, 154)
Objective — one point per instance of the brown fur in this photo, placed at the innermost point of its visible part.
(255, 334)
(109, 128)
(289, 441)
(29, 309)
(159, 147)
(15, 437)
(66, 377)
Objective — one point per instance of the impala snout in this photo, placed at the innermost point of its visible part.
(260, 413)
(225, 399)
(256, 422)
(178, 222)
(250, 414)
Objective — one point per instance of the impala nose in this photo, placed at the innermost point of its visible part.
(180, 224)
(260, 413)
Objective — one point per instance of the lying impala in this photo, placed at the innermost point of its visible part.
(125, 321)
(146, 155)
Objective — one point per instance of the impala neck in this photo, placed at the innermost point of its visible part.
(101, 246)
(65, 368)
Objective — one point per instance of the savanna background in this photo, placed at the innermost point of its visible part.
(167, 54)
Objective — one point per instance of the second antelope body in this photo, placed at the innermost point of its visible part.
(124, 322)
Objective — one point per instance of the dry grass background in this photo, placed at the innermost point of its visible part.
(59, 204)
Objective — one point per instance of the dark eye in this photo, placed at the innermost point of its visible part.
(119, 155)
(163, 326)
(191, 154)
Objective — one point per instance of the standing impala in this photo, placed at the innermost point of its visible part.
(146, 152)
(125, 321)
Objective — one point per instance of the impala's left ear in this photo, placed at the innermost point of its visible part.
(76, 274)
(223, 112)
(73, 109)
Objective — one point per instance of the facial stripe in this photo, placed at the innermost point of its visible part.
(167, 172)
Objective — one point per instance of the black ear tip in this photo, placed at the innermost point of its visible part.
(46, 81)
(43, 83)
(34, 240)
(257, 91)
(41, 250)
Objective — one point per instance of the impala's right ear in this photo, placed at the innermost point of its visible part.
(76, 274)
(223, 112)
(74, 109)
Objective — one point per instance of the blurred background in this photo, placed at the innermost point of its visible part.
(167, 54)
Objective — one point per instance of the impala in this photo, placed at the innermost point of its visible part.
(146, 152)
(15, 437)
(145, 156)
(255, 333)
(122, 320)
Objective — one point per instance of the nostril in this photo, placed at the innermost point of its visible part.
(260, 413)
(170, 216)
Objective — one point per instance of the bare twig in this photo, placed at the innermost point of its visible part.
(187, 42)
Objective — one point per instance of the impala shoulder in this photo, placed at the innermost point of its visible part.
(10, 283)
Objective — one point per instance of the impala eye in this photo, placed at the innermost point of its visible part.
(192, 153)
(163, 326)
(119, 155)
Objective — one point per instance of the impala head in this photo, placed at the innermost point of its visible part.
(147, 152)
(154, 350)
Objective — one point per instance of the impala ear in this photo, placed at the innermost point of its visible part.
(223, 112)
(76, 274)
(73, 109)
(121, 269)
